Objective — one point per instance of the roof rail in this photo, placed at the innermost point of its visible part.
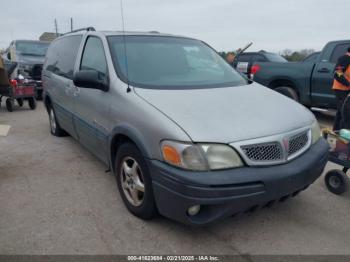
(90, 28)
(153, 32)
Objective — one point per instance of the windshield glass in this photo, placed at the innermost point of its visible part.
(31, 48)
(170, 62)
(275, 58)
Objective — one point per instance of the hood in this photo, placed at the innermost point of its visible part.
(29, 59)
(225, 115)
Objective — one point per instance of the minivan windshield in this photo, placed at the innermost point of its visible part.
(170, 63)
(34, 48)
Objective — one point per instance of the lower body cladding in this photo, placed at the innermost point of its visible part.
(203, 197)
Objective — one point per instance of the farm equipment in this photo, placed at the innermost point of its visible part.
(336, 180)
(18, 89)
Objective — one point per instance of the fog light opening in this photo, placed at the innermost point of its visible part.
(193, 210)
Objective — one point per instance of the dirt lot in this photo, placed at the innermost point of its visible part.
(55, 198)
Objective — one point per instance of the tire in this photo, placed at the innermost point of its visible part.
(337, 181)
(9, 104)
(288, 92)
(39, 95)
(55, 127)
(32, 103)
(134, 182)
(20, 102)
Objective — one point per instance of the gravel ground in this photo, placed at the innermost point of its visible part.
(55, 198)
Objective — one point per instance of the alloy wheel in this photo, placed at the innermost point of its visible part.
(132, 181)
(52, 121)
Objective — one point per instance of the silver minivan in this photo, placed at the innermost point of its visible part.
(184, 133)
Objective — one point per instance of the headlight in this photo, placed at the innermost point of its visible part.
(315, 132)
(200, 157)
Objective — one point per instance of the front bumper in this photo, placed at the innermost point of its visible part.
(227, 192)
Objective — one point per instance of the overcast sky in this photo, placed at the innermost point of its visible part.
(272, 25)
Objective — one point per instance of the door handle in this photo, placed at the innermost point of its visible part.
(323, 70)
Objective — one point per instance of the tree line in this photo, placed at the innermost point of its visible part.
(289, 54)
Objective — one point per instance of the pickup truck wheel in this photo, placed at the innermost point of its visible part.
(288, 92)
(134, 182)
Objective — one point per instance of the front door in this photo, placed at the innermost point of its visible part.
(91, 111)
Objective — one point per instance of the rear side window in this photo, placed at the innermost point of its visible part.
(94, 56)
(244, 58)
(259, 58)
(312, 58)
(62, 54)
(275, 58)
(338, 51)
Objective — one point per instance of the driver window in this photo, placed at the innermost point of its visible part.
(94, 57)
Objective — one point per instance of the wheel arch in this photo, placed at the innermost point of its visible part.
(122, 134)
(280, 82)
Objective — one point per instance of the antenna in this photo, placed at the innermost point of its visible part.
(71, 24)
(124, 40)
(56, 27)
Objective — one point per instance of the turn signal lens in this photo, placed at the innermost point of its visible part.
(171, 155)
(316, 133)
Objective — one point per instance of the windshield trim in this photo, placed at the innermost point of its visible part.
(124, 78)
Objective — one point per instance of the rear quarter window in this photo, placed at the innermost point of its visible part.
(338, 51)
(259, 58)
(62, 55)
(244, 58)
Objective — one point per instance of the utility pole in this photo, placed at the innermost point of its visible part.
(71, 24)
(56, 27)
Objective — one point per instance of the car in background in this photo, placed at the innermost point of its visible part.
(243, 62)
(29, 56)
(308, 82)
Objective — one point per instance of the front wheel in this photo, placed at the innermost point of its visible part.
(55, 128)
(134, 182)
(337, 181)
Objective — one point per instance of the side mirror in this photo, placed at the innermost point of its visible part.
(8, 56)
(90, 79)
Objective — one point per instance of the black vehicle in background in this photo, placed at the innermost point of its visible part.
(29, 56)
(244, 61)
(308, 82)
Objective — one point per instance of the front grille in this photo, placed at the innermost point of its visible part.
(263, 152)
(297, 143)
